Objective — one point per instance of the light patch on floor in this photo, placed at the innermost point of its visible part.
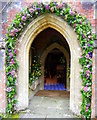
(48, 107)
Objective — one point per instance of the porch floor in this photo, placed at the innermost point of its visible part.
(53, 93)
(48, 106)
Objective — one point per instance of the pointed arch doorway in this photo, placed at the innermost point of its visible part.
(36, 26)
(63, 53)
(55, 71)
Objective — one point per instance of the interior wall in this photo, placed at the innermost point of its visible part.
(47, 37)
(54, 69)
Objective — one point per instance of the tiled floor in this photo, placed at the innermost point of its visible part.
(54, 87)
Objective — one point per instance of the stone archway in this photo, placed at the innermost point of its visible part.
(33, 29)
(43, 57)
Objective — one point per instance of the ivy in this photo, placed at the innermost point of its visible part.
(80, 25)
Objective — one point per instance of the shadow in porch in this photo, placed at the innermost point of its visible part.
(52, 93)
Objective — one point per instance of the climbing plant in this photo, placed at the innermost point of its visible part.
(84, 32)
(35, 72)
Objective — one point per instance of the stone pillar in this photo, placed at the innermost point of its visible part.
(42, 78)
(94, 82)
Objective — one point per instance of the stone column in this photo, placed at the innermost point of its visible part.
(42, 78)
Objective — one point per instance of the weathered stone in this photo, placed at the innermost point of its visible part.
(48, 107)
(38, 25)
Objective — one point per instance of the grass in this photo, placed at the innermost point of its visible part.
(15, 116)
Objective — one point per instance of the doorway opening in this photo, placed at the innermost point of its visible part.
(53, 32)
(54, 55)
(55, 71)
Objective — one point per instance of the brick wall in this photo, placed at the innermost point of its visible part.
(84, 8)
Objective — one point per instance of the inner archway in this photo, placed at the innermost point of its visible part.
(49, 20)
(67, 56)
(55, 71)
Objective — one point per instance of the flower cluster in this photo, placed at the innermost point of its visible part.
(11, 69)
(35, 71)
(81, 26)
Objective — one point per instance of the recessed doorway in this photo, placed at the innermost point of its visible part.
(64, 37)
(55, 71)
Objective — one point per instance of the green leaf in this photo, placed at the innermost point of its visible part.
(8, 83)
(10, 105)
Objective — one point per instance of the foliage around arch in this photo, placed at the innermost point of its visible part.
(80, 25)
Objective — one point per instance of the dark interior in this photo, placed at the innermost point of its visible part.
(55, 72)
(55, 66)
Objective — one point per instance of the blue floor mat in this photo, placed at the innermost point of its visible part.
(54, 87)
